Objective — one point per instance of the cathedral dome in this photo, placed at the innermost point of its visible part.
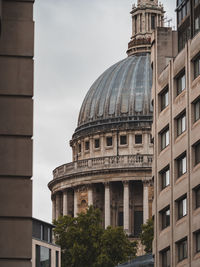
(121, 93)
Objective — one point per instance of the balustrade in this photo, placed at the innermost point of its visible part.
(103, 163)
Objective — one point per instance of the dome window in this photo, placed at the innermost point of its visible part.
(79, 148)
(138, 139)
(87, 145)
(123, 140)
(109, 141)
(96, 143)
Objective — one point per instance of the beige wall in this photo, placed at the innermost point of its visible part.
(166, 75)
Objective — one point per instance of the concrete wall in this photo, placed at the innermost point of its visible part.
(16, 127)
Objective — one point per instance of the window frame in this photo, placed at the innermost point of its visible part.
(165, 218)
(197, 197)
(164, 178)
(164, 98)
(182, 207)
(165, 254)
(95, 143)
(196, 104)
(164, 138)
(181, 121)
(182, 245)
(196, 148)
(136, 141)
(196, 63)
(180, 82)
(87, 145)
(181, 166)
(197, 239)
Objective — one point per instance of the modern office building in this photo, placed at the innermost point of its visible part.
(44, 251)
(112, 146)
(175, 58)
(16, 129)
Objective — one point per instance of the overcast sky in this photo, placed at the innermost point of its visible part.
(75, 41)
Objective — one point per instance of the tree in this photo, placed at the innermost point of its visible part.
(84, 242)
(147, 235)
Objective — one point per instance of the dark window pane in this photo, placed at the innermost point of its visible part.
(197, 195)
(198, 242)
(165, 218)
(165, 178)
(182, 250)
(197, 67)
(120, 218)
(109, 141)
(197, 110)
(164, 139)
(181, 124)
(197, 153)
(182, 208)
(87, 145)
(79, 148)
(153, 24)
(138, 139)
(166, 258)
(96, 143)
(123, 139)
(182, 165)
(180, 83)
(57, 259)
(138, 221)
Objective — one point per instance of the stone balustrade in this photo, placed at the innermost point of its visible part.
(112, 162)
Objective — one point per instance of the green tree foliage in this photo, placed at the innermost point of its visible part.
(84, 242)
(147, 235)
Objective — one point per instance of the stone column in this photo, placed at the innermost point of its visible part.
(107, 205)
(90, 195)
(75, 202)
(145, 201)
(126, 206)
(65, 205)
(58, 205)
(53, 208)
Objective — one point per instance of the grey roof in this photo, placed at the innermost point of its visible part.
(142, 261)
(123, 90)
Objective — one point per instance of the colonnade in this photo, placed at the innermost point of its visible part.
(63, 198)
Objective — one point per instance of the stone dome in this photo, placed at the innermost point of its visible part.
(122, 92)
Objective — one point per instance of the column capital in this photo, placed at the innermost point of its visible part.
(147, 182)
(106, 184)
(125, 183)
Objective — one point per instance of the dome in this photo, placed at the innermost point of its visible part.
(122, 91)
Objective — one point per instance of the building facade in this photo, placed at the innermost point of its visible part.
(44, 251)
(16, 130)
(112, 146)
(176, 133)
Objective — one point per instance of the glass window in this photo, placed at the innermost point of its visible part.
(96, 143)
(43, 256)
(150, 139)
(197, 110)
(197, 153)
(196, 67)
(109, 141)
(164, 99)
(182, 250)
(57, 258)
(165, 177)
(79, 148)
(180, 83)
(182, 208)
(87, 145)
(153, 24)
(181, 124)
(123, 139)
(164, 139)
(197, 197)
(182, 165)
(197, 25)
(138, 139)
(165, 214)
(198, 242)
(166, 258)
(42, 232)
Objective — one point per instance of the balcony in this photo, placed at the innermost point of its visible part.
(104, 163)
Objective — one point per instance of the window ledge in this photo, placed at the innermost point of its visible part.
(181, 178)
(180, 136)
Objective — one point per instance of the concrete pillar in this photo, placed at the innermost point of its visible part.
(58, 205)
(107, 205)
(145, 202)
(90, 195)
(65, 205)
(53, 209)
(75, 203)
(126, 206)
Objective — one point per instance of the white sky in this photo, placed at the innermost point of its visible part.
(75, 41)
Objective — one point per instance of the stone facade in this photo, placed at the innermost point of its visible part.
(176, 165)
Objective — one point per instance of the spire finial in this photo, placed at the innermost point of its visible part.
(146, 16)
